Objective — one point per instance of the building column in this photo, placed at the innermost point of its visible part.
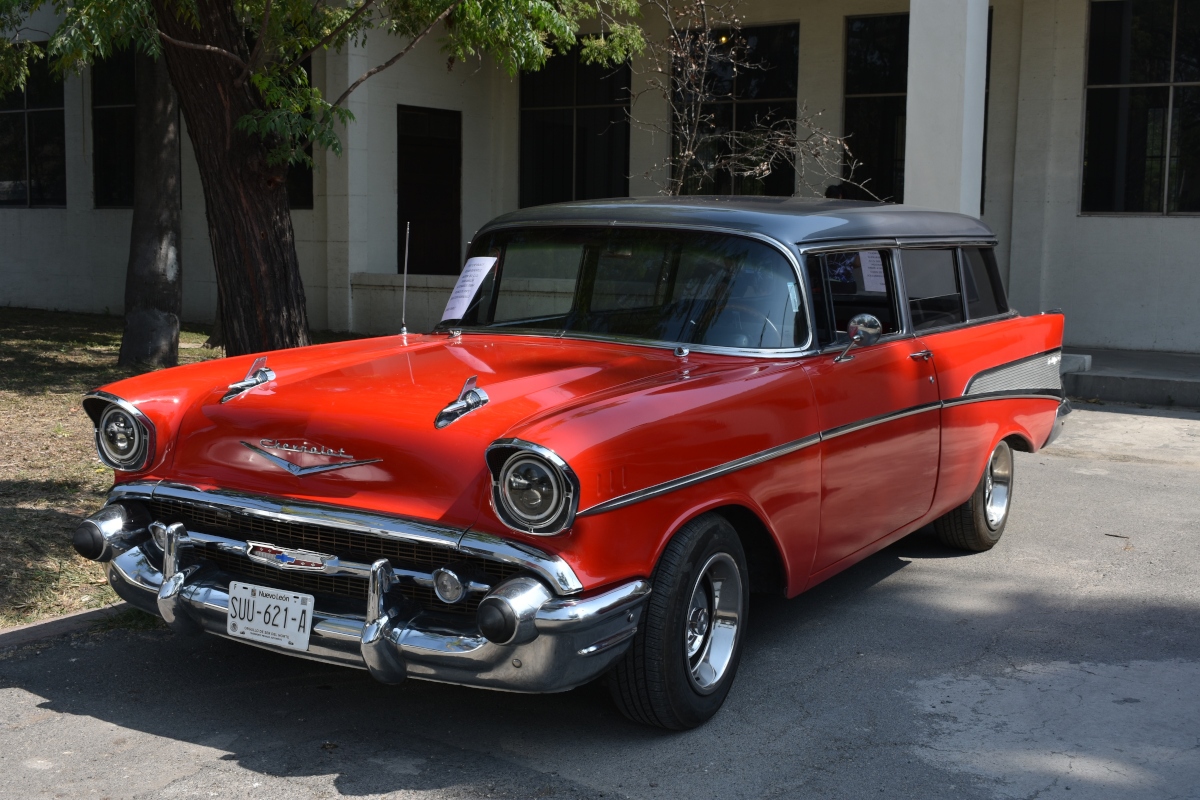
(346, 190)
(947, 80)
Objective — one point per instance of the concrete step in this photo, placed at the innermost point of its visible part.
(1128, 376)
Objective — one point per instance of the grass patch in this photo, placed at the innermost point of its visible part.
(49, 474)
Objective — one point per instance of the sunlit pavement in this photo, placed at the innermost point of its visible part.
(1063, 664)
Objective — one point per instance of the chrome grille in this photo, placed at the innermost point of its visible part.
(417, 556)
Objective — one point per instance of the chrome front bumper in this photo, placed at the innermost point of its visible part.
(563, 641)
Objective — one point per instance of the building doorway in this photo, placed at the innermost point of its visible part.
(429, 189)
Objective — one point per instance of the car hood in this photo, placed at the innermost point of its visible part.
(353, 424)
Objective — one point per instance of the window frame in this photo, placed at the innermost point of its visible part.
(1170, 85)
(92, 107)
(733, 102)
(24, 111)
(574, 108)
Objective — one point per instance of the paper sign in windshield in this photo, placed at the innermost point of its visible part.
(872, 267)
(472, 276)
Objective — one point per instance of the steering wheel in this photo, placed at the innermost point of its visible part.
(755, 313)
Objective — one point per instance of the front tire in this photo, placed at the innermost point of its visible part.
(682, 661)
(979, 523)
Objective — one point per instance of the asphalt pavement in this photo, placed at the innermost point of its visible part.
(1065, 663)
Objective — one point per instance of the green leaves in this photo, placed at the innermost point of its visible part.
(294, 116)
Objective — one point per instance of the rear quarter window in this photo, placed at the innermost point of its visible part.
(981, 283)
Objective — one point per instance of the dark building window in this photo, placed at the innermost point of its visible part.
(33, 151)
(762, 93)
(429, 190)
(300, 175)
(113, 96)
(574, 132)
(876, 109)
(1142, 127)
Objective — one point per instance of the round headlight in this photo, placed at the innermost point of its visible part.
(121, 439)
(531, 489)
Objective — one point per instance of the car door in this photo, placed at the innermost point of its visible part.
(878, 407)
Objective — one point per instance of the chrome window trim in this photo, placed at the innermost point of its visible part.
(888, 243)
(751, 352)
(138, 416)
(548, 566)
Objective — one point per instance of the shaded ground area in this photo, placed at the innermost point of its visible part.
(49, 473)
(1060, 664)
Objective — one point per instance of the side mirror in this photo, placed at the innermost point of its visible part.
(864, 330)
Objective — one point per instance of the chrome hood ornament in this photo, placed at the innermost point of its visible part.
(470, 398)
(258, 375)
(319, 450)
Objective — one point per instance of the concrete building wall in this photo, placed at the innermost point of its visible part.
(1117, 277)
(1124, 281)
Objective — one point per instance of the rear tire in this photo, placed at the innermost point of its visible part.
(979, 523)
(682, 661)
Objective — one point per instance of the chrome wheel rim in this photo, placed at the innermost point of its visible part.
(713, 622)
(997, 485)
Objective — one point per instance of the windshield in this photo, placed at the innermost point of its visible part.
(674, 286)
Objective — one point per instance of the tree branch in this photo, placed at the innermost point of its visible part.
(258, 45)
(205, 48)
(440, 17)
(332, 35)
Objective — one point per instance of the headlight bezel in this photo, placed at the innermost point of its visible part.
(99, 405)
(503, 454)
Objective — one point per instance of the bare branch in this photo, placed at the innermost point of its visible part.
(376, 70)
(205, 48)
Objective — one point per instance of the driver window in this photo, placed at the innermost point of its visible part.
(847, 284)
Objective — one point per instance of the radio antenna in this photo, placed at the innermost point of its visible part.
(404, 291)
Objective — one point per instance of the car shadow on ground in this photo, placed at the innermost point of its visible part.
(286, 717)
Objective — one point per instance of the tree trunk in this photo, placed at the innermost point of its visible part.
(245, 197)
(153, 279)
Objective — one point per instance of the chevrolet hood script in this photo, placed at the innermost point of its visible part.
(306, 449)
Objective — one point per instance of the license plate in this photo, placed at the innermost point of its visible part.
(270, 616)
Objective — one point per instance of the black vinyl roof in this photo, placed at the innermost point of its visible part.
(798, 220)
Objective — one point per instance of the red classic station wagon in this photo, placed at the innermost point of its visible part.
(634, 413)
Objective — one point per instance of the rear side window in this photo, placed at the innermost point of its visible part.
(931, 281)
(847, 284)
(981, 283)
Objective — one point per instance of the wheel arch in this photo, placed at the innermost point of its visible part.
(768, 571)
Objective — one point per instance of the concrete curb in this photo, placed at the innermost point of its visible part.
(1180, 393)
(59, 626)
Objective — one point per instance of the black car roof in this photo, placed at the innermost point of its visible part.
(798, 220)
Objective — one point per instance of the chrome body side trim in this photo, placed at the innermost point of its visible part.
(140, 418)
(791, 447)
(553, 569)
(703, 475)
(871, 422)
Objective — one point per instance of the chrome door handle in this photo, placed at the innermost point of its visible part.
(924, 355)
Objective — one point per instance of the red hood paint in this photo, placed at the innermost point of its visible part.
(375, 399)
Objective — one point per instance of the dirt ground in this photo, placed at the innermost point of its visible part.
(49, 473)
